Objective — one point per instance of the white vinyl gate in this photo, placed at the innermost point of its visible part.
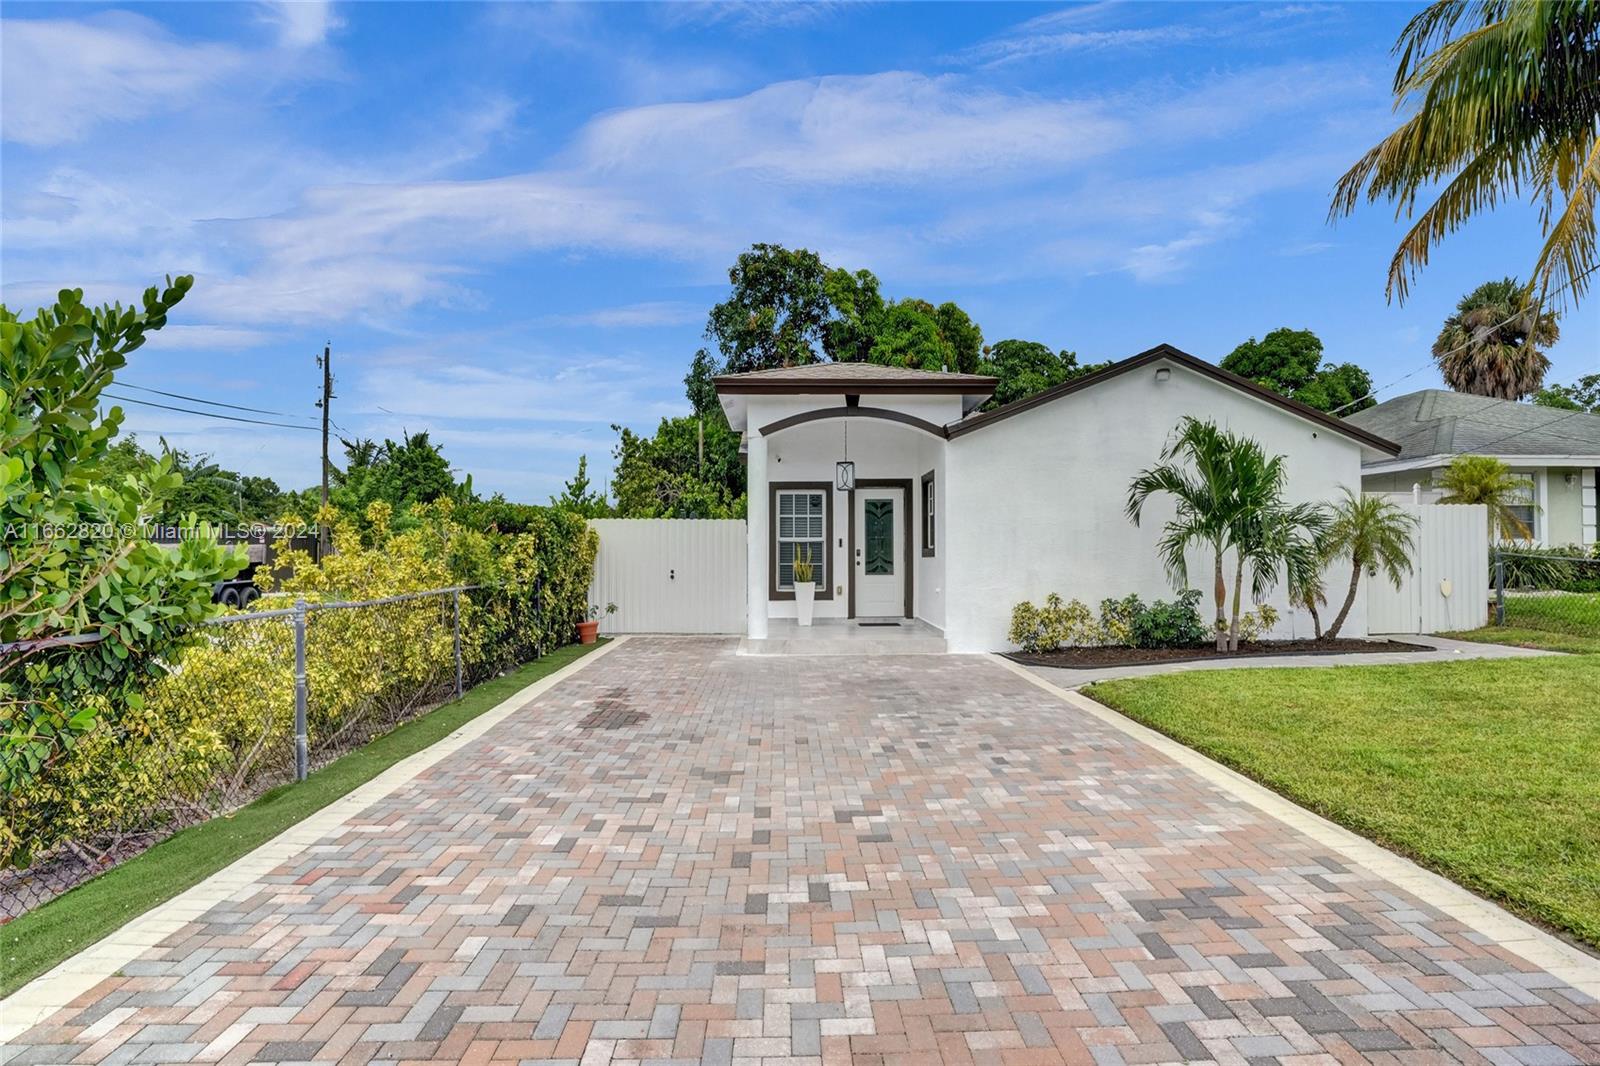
(1448, 587)
(670, 575)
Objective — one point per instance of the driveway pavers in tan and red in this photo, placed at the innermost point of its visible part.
(684, 855)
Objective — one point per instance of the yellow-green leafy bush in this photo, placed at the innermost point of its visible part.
(1057, 623)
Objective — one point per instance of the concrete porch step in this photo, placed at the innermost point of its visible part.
(836, 636)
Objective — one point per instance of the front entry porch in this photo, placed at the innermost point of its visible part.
(847, 636)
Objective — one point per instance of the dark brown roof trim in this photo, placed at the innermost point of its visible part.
(1183, 359)
(733, 385)
(852, 412)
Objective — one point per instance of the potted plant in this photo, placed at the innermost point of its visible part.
(805, 589)
(588, 627)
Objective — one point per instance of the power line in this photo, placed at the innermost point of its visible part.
(1460, 347)
(209, 414)
(211, 403)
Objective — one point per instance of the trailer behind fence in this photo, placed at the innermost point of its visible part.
(1555, 590)
(256, 700)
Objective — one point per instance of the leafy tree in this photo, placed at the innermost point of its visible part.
(777, 312)
(401, 473)
(1486, 480)
(857, 314)
(1026, 367)
(1373, 534)
(1503, 97)
(960, 337)
(579, 498)
(1584, 395)
(1492, 344)
(1290, 363)
(909, 337)
(665, 477)
(75, 559)
(698, 383)
(208, 491)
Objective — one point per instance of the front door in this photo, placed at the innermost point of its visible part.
(880, 570)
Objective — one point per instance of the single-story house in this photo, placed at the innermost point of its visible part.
(1555, 454)
(957, 514)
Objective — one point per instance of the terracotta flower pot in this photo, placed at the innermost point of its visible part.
(587, 631)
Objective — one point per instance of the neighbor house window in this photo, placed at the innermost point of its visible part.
(927, 513)
(800, 529)
(1523, 509)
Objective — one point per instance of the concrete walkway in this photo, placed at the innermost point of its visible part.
(683, 854)
(1443, 649)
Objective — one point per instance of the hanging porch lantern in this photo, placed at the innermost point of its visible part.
(844, 471)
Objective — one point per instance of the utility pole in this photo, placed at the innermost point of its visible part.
(326, 362)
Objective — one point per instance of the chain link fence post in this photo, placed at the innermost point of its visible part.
(1499, 587)
(301, 752)
(456, 600)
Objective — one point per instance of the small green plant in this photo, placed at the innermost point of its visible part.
(1253, 625)
(1057, 623)
(803, 572)
(595, 610)
(1117, 619)
(1171, 623)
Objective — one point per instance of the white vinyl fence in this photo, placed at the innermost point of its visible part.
(670, 575)
(1448, 587)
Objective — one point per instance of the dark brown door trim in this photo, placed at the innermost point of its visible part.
(904, 485)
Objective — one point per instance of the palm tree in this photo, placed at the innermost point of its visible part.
(1507, 98)
(1492, 345)
(1195, 470)
(1486, 480)
(1268, 533)
(1374, 535)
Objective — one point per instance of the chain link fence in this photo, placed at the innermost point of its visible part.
(255, 700)
(1550, 590)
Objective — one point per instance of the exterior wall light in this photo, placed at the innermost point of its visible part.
(844, 475)
(1163, 373)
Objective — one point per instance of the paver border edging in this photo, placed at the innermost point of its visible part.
(1549, 953)
(58, 987)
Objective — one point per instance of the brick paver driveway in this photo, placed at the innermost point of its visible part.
(683, 854)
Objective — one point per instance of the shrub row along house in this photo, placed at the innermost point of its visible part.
(1553, 454)
(910, 503)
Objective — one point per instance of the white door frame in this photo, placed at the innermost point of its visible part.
(907, 524)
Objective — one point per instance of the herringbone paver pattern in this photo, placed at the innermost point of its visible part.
(683, 855)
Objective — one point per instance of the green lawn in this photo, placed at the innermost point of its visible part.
(1562, 612)
(1531, 638)
(1484, 771)
(44, 937)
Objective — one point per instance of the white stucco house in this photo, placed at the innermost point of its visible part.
(1554, 454)
(956, 515)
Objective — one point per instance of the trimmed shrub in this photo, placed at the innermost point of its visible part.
(1171, 623)
(1253, 625)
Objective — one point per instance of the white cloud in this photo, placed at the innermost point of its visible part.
(301, 23)
(205, 338)
(639, 315)
(894, 127)
(64, 76)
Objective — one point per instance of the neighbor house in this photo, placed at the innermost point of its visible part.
(956, 514)
(1554, 454)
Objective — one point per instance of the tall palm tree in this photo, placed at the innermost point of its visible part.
(1506, 97)
(1373, 534)
(1269, 534)
(1196, 471)
(1486, 480)
(1492, 345)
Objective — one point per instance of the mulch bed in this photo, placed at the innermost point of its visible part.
(1088, 658)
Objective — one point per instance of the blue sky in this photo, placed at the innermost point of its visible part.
(510, 221)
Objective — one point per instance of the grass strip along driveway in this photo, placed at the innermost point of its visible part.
(40, 939)
(1482, 771)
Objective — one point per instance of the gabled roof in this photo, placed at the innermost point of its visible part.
(1438, 422)
(1184, 359)
(851, 377)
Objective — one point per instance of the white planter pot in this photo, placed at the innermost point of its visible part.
(804, 600)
